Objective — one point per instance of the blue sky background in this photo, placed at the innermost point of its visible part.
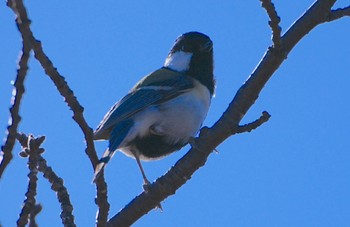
(292, 171)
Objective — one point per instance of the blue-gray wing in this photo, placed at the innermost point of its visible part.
(154, 89)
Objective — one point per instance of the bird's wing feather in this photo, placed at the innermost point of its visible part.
(117, 136)
(156, 88)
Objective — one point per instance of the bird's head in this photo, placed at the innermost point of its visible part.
(192, 54)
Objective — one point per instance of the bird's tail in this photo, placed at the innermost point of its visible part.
(102, 163)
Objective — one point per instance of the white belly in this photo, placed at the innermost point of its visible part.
(182, 117)
(178, 119)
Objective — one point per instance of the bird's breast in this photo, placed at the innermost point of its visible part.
(183, 116)
(165, 128)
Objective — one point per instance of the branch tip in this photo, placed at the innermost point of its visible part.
(273, 22)
(31, 148)
(338, 13)
(23, 25)
(265, 116)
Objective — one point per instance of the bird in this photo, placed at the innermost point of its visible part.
(165, 109)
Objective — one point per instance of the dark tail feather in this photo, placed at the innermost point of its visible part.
(102, 163)
(118, 134)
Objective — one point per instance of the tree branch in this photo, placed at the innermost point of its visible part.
(57, 185)
(102, 201)
(35, 211)
(253, 125)
(273, 22)
(15, 118)
(221, 130)
(62, 86)
(31, 147)
(339, 13)
(59, 81)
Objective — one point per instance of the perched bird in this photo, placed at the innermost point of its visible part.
(166, 108)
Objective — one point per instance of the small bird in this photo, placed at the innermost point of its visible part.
(165, 109)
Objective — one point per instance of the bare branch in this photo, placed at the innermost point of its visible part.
(35, 211)
(244, 99)
(273, 22)
(30, 145)
(59, 81)
(339, 13)
(15, 118)
(102, 201)
(61, 192)
(62, 86)
(255, 124)
(246, 96)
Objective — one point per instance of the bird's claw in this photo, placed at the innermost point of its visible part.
(146, 186)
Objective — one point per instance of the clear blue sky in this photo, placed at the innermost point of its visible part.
(292, 171)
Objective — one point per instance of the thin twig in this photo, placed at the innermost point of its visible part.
(15, 118)
(57, 185)
(35, 211)
(56, 182)
(253, 125)
(62, 86)
(30, 147)
(273, 22)
(102, 201)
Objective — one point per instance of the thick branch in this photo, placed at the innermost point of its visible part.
(244, 99)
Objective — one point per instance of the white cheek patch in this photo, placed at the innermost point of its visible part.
(179, 61)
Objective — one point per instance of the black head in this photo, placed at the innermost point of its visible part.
(192, 54)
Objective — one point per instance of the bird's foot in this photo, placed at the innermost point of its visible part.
(146, 186)
(192, 142)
